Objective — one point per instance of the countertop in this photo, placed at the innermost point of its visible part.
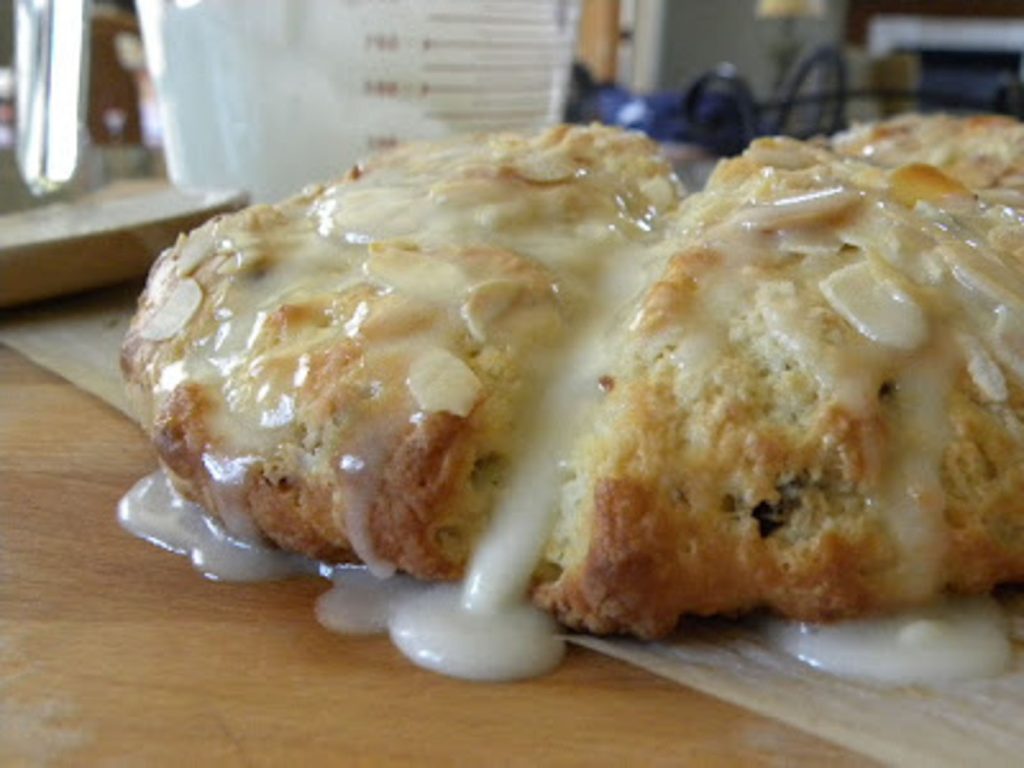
(112, 651)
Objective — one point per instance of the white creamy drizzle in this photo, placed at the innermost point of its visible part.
(950, 639)
(958, 638)
(153, 510)
(228, 475)
(444, 628)
(436, 630)
(911, 499)
(361, 489)
(488, 630)
(429, 624)
(360, 603)
(405, 230)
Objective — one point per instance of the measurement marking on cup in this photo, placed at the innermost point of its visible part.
(483, 114)
(487, 116)
(468, 18)
(493, 106)
(538, 67)
(432, 43)
(382, 42)
(381, 141)
(488, 88)
(520, 60)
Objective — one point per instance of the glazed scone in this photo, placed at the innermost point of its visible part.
(818, 408)
(984, 152)
(812, 404)
(344, 373)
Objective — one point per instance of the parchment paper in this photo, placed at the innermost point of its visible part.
(978, 721)
(77, 338)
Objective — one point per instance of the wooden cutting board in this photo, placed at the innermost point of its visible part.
(103, 238)
(112, 651)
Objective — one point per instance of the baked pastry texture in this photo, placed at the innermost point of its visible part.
(345, 372)
(813, 403)
(984, 152)
(818, 407)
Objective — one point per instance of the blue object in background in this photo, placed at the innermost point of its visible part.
(719, 113)
(718, 110)
(659, 115)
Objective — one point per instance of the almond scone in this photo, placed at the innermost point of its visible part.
(984, 152)
(816, 409)
(344, 373)
(800, 390)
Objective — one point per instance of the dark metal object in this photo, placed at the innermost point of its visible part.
(721, 113)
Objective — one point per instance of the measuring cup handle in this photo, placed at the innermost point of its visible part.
(51, 62)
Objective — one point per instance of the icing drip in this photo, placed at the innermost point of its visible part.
(154, 511)
(955, 639)
(952, 639)
(372, 284)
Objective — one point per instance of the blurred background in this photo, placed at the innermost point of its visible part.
(702, 76)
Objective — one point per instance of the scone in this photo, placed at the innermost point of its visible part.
(985, 152)
(818, 408)
(345, 373)
(812, 404)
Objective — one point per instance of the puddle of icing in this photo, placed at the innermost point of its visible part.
(360, 603)
(154, 511)
(431, 626)
(959, 638)
(437, 631)
(954, 639)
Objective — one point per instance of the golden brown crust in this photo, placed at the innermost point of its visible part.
(984, 479)
(766, 437)
(297, 516)
(284, 396)
(981, 151)
(424, 481)
(749, 484)
(659, 546)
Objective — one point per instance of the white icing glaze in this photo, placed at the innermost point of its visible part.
(508, 553)
(494, 594)
(436, 631)
(360, 603)
(910, 497)
(154, 511)
(359, 469)
(354, 238)
(228, 476)
(954, 639)
(428, 623)
(966, 637)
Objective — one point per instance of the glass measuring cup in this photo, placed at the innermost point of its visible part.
(50, 58)
(270, 96)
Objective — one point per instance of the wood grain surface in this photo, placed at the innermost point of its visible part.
(114, 652)
(103, 238)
